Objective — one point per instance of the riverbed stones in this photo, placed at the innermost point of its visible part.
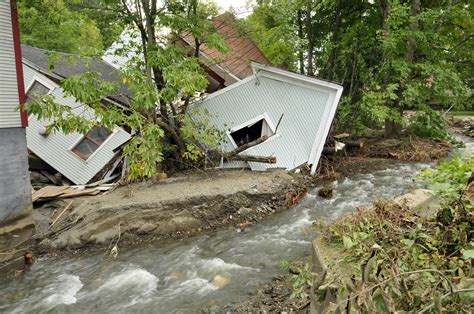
(220, 280)
(245, 211)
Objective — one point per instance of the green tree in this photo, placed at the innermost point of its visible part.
(162, 76)
(51, 25)
(390, 55)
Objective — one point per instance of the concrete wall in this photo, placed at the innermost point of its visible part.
(16, 222)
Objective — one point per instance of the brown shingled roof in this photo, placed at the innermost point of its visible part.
(242, 49)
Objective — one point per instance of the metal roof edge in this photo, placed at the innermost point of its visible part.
(228, 88)
(41, 70)
(257, 67)
(323, 132)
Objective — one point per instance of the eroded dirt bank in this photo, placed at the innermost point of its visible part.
(172, 208)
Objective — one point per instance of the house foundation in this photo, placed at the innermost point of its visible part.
(16, 217)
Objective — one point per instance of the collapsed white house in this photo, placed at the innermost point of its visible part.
(294, 111)
(78, 157)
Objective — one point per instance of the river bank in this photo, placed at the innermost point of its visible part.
(201, 202)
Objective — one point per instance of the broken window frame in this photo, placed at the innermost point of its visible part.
(264, 116)
(75, 152)
(46, 83)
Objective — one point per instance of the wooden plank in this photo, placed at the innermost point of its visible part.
(78, 193)
(49, 191)
(59, 216)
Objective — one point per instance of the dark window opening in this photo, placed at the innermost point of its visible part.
(91, 142)
(251, 132)
(36, 90)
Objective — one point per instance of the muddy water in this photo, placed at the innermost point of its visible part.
(177, 278)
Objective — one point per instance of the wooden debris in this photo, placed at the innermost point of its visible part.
(244, 147)
(353, 144)
(326, 192)
(48, 192)
(60, 214)
(264, 159)
(60, 192)
(75, 193)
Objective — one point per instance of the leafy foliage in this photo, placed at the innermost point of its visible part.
(410, 263)
(201, 135)
(429, 124)
(450, 177)
(300, 280)
(390, 55)
(50, 24)
(162, 80)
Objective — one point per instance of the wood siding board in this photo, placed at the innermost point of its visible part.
(9, 96)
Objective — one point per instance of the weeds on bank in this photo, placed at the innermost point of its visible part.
(401, 261)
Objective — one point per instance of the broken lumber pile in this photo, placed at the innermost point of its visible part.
(52, 192)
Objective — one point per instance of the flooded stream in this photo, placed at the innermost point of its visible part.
(176, 278)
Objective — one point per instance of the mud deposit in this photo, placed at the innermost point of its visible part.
(173, 208)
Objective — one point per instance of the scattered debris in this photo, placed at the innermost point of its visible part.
(28, 258)
(60, 214)
(408, 149)
(52, 192)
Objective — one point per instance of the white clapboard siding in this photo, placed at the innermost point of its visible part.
(54, 149)
(9, 115)
(308, 106)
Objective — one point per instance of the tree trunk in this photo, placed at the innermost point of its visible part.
(262, 159)
(300, 37)
(334, 40)
(310, 36)
(392, 128)
(411, 43)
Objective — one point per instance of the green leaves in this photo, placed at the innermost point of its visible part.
(347, 242)
(449, 178)
(50, 24)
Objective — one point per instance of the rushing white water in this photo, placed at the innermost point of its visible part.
(177, 277)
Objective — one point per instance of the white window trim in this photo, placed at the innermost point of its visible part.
(49, 84)
(45, 82)
(263, 116)
(79, 139)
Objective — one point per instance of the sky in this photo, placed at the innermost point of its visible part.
(238, 5)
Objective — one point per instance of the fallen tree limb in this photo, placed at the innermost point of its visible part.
(262, 159)
(245, 147)
(353, 144)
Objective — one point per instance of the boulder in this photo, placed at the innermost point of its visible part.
(420, 201)
(326, 192)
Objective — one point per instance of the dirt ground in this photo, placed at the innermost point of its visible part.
(175, 207)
